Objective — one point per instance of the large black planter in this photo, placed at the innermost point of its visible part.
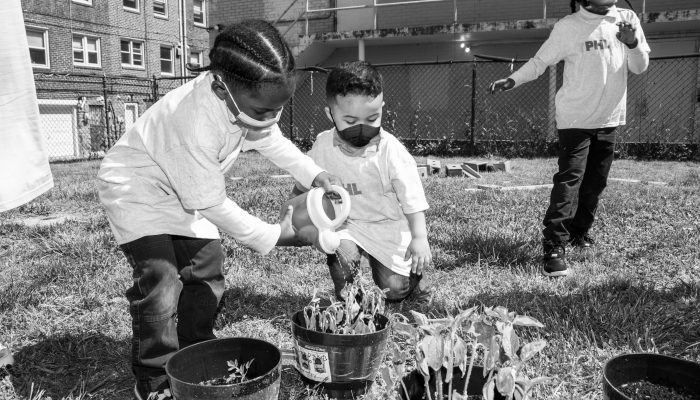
(415, 384)
(675, 373)
(344, 365)
(208, 360)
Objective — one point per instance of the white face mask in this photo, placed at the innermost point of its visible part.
(241, 118)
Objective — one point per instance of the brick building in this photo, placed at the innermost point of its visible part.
(96, 63)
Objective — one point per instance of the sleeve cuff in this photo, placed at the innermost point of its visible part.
(416, 208)
(267, 239)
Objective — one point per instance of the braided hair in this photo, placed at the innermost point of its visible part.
(250, 53)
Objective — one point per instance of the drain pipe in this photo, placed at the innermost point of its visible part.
(182, 16)
(361, 49)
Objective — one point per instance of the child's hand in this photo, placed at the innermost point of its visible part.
(325, 180)
(627, 34)
(287, 234)
(419, 253)
(501, 85)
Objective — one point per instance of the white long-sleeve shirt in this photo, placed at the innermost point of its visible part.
(166, 174)
(594, 92)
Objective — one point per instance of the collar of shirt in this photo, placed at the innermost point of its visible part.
(593, 17)
(349, 150)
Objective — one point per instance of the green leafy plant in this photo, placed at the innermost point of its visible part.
(236, 374)
(484, 337)
(354, 315)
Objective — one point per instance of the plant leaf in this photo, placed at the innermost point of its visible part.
(404, 329)
(386, 375)
(530, 349)
(506, 341)
(524, 320)
(487, 390)
(420, 318)
(459, 352)
(457, 396)
(505, 381)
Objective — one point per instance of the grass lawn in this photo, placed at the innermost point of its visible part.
(63, 311)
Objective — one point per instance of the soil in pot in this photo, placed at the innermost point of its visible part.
(643, 390)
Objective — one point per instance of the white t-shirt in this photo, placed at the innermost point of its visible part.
(172, 162)
(594, 93)
(384, 185)
(24, 164)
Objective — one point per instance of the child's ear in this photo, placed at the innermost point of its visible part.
(328, 113)
(218, 90)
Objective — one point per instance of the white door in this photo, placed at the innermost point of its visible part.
(57, 123)
(131, 113)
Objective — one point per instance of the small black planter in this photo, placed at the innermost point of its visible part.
(207, 360)
(675, 373)
(415, 384)
(344, 365)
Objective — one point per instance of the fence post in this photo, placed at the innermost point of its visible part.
(552, 94)
(154, 88)
(473, 116)
(291, 118)
(104, 96)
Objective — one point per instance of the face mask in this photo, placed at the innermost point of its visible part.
(241, 118)
(358, 135)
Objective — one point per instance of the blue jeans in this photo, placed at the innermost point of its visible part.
(177, 285)
(585, 157)
(348, 258)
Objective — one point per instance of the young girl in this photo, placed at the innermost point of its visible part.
(598, 44)
(162, 185)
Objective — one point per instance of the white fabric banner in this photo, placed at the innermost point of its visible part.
(24, 165)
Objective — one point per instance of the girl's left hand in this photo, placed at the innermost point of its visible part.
(419, 253)
(325, 180)
(627, 34)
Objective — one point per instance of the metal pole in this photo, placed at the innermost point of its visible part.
(544, 9)
(306, 15)
(291, 118)
(374, 12)
(104, 95)
(454, 6)
(473, 116)
(361, 49)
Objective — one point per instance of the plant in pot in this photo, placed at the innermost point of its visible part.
(476, 352)
(341, 346)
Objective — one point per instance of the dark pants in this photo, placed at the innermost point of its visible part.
(585, 157)
(349, 257)
(177, 285)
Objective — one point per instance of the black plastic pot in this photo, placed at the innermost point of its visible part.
(208, 360)
(344, 365)
(675, 373)
(415, 384)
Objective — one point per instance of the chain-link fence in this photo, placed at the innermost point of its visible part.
(83, 116)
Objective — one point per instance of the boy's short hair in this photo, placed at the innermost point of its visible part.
(355, 77)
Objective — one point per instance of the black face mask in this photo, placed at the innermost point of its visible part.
(358, 135)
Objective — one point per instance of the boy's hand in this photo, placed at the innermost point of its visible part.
(627, 34)
(501, 85)
(419, 253)
(325, 180)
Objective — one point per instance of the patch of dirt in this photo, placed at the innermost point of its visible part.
(643, 390)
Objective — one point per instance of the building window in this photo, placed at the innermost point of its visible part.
(38, 40)
(160, 8)
(166, 60)
(195, 60)
(200, 13)
(132, 53)
(86, 51)
(131, 5)
(85, 2)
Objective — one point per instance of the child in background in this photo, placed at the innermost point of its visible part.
(598, 44)
(386, 224)
(162, 185)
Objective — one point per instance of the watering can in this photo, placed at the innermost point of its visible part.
(318, 215)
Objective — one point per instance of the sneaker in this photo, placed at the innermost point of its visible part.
(6, 358)
(582, 242)
(554, 260)
(161, 394)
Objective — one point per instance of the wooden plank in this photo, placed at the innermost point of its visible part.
(503, 166)
(423, 170)
(470, 171)
(434, 165)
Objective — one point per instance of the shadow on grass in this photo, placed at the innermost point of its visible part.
(69, 365)
(243, 302)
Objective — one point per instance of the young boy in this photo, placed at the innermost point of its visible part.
(386, 225)
(598, 44)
